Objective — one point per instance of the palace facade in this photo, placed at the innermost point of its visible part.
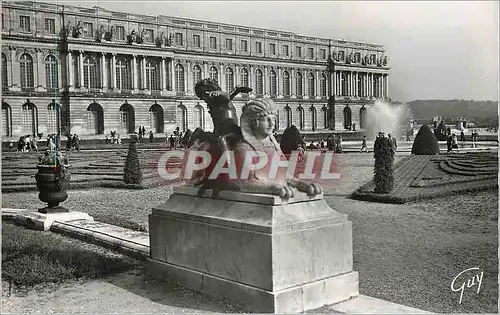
(90, 71)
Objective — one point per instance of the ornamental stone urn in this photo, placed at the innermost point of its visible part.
(52, 181)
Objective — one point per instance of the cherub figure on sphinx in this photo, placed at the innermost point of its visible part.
(243, 157)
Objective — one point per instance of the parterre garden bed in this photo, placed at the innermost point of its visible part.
(429, 176)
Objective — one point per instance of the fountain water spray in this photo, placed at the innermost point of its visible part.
(386, 117)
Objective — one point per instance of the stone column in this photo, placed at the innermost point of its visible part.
(189, 79)
(80, 72)
(386, 85)
(113, 71)
(222, 77)
(251, 82)
(365, 84)
(39, 70)
(205, 70)
(143, 73)
(172, 75)
(265, 81)
(15, 77)
(292, 83)
(104, 72)
(134, 73)
(70, 71)
(317, 91)
(341, 84)
(163, 75)
(237, 75)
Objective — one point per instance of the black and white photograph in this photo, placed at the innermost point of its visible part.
(249, 157)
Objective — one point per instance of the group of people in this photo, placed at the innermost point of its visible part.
(26, 144)
(72, 142)
(115, 138)
(392, 140)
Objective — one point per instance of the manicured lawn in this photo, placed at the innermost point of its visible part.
(32, 258)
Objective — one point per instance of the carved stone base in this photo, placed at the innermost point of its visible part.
(256, 250)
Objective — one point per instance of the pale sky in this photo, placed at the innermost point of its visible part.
(437, 49)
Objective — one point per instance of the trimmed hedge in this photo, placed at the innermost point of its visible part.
(132, 172)
(383, 169)
(425, 142)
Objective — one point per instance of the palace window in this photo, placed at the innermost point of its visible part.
(323, 85)
(244, 77)
(310, 85)
(149, 34)
(152, 77)
(229, 79)
(88, 29)
(54, 118)
(5, 83)
(213, 42)
(272, 49)
(29, 119)
(310, 52)
(196, 41)
(258, 47)
(357, 57)
(24, 23)
(298, 84)
(123, 75)
(229, 44)
(51, 72)
(196, 74)
(179, 39)
(179, 78)
(213, 73)
(259, 88)
(50, 26)
(3, 22)
(90, 73)
(286, 83)
(272, 82)
(244, 45)
(120, 33)
(323, 53)
(285, 50)
(26, 67)
(298, 52)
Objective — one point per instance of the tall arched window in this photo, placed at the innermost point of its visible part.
(298, 84)
(123, 75)
(229, 79)
(196, 74)
(310, 84)
(90, 73)
(286, 83)
(51, 72)
(5, 82)
(151, 76)
(287, 117)
(325, 117)
(314, 118)
(300, 112)
(182, 117)
(179, 78)
(30, 119)
(54, 118)
(259, 88)
(244, 77)
(199, 116)
(127, 118)
(272, 82)
(6, 120)
(323, 85)
(213, 73)
(26, 66)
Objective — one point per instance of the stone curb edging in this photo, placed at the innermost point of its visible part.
(92, 236)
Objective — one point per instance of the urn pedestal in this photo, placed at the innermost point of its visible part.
(259, 251)
(52, 183)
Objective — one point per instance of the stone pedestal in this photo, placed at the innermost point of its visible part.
(256, 250)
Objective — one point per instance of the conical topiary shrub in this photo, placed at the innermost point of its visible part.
(384, 159)
(132, 173)
(425, 142)
(186, 137)
(290, 140)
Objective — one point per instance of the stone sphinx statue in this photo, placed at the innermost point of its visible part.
(238, 143)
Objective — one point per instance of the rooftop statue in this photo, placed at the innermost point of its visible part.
(238, 143)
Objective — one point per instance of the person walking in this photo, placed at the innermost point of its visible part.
(364, 147)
